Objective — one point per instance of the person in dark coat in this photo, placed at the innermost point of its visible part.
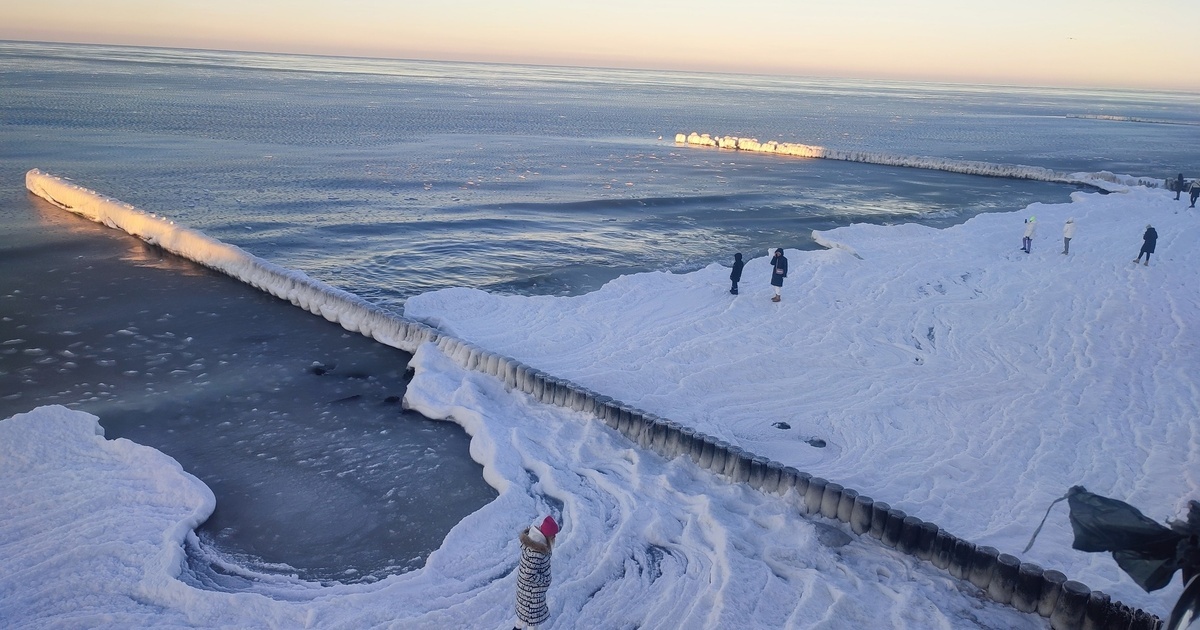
(736, 274)
(1148, 241)
(533, 575)
(1178, 186)
(1195, 193)
(778, 273)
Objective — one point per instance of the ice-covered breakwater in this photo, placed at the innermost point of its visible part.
(338, 306)
(1102, 180)
(1132, 119)
(1003, 577)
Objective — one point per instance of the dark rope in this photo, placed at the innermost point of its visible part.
(1039, 527)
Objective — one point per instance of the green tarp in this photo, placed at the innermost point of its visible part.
(1149, 552)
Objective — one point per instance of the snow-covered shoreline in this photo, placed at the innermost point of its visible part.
(949, 373)
(862, 324)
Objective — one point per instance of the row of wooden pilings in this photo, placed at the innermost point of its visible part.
(1004, 578)
(1069, 605)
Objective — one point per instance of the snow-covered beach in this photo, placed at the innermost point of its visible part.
(947, 358)
(947, 372)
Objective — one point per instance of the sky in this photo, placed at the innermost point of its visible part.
(1098, 43)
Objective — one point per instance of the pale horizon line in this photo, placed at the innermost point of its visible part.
(632, 68)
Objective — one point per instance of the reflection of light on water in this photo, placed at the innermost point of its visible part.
(51, 218)
(144, 254)
(136, 251)
(891, 208)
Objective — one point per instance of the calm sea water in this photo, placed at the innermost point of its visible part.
(389, 178)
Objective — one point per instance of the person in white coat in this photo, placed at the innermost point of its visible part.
(1030, 228)
(1068, 234)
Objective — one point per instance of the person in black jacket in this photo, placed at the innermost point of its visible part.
(1148, 241)
(736, 274)
(1178, 186)
(778, 273)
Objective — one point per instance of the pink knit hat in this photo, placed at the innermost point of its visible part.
(548, 526)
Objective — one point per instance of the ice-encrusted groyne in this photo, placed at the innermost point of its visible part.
(350, 311)
(1133, 119)
(1004, 578)
(1102, 180)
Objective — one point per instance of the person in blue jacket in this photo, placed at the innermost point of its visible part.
(736, 274)
(778, 273)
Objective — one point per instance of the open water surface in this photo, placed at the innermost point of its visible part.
(388, 178)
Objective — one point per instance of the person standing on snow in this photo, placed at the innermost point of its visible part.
(778, 273)
(1195, 193)
(1030, 229)
(1068, 234)
(533, 575)
(736, 274)
(1178, 186)
(1148, 241)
